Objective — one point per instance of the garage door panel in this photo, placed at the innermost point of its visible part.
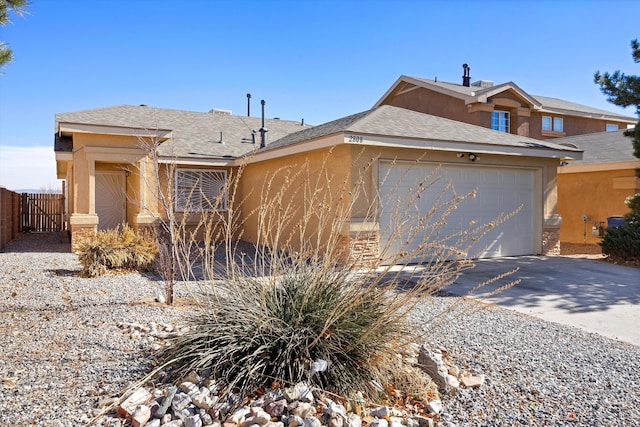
(499, 191)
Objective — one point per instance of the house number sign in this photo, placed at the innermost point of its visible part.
(355, 138)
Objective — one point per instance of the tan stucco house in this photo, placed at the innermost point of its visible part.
(503, 107)
(594, 188)
(95, 149)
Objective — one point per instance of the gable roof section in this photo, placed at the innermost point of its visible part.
(192, 134)
(471, 94)
(391, 121)
(601, 147)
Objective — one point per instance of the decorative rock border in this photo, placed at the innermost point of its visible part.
(196, 401)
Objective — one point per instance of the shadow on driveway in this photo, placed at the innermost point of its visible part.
(594, 295)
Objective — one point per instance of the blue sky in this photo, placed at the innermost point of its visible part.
(317, 60)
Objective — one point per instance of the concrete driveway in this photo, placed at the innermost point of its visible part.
(589, 294)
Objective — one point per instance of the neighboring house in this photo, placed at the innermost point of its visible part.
(508, 170)
(504, 107)
(594, 188)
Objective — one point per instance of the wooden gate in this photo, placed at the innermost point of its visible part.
(41, 212)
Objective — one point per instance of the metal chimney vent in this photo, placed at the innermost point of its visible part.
(466, 78)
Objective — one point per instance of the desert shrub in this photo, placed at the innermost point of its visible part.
(622, 243)
(119, 248)
(260, 331)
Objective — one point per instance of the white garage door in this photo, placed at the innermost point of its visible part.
(499, 191)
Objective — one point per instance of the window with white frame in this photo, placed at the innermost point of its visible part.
(200, 190)
(558, 124)
(552, 124)
(500, 121)
(612, 127)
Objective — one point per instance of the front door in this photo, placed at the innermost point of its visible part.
(111, 199)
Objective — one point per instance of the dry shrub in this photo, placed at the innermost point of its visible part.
(119, 248)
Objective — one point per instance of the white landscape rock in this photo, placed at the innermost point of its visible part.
(311, 422)
(453, 381)
(432, 364)
(473, 381)
(435, 406)
(202, 401)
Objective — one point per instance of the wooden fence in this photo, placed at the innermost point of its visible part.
(42, 212)
(9, 216)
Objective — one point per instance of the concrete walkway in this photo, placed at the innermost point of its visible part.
(593, 295)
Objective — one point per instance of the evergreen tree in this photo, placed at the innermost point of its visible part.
(19, 7)
(624, 90)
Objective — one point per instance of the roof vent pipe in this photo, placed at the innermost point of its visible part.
(221, 140)
(248, 105)
(466, 78)
(302, 122)
(263, 130)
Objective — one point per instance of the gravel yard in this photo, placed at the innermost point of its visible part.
(62, 352)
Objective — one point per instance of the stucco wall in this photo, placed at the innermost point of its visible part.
(293, 199)
(597, 194)
(437, 104)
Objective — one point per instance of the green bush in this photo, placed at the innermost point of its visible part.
(633, 202)
(120, 248)
(622, 243)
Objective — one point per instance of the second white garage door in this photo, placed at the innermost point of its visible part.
(499, 191)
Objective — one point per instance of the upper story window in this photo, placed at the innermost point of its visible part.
(552, 124)
(558, 124)
(500, 121)
(199, 190)
(612, 127)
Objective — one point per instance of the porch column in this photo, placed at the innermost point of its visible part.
(83, 221)
(92, 186)
(145, 219)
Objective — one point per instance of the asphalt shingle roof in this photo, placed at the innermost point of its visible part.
(194, 134)
(561, 104)
(601, 147)
(544, 101)
(388, 120)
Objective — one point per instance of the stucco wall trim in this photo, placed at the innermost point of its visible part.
(65, 127)
(598, 167)
(112, 154)
(200, 162)
(379, 141)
